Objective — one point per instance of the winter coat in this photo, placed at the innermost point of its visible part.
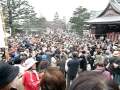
(83, 63)
(73, 68)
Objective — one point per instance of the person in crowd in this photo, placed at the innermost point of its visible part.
(53, 61)
(115, 66)
(44, 63)
(93, 81)
(66, 63)
(107, 57)
(83, 61)
(98, 57)
(53, 79)
(30, 77)
(57, 52)
(8, 76)
(100, 67)
(90, 60)
(92, 50)
(20, 63)
(63, 58)
(39, 59)
(73, 67)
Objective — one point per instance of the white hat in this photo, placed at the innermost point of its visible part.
(29, 63)
(116, 53)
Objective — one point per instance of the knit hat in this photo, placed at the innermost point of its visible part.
(7, 73)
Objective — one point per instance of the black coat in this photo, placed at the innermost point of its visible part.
(73, 68)
(83, 63)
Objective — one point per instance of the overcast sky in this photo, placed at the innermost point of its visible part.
(47, 8)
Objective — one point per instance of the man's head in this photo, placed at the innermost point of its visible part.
(75, 54)
(93, 81)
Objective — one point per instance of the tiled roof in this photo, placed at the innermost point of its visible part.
(101, 19)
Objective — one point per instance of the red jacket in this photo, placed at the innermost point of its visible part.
(31, 80)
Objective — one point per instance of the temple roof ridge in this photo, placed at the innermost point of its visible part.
(114, 5)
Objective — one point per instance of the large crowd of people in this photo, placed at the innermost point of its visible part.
(59, 61)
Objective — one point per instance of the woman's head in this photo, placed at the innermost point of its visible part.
(93, 81)
(30, 63)
(54, 79)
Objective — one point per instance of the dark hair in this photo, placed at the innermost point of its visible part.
(53, 80)
(75, 54)
(83, 52)
(93, 81)
(100, 64)
(98, 52)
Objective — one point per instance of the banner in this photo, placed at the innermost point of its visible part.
(2, 34)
